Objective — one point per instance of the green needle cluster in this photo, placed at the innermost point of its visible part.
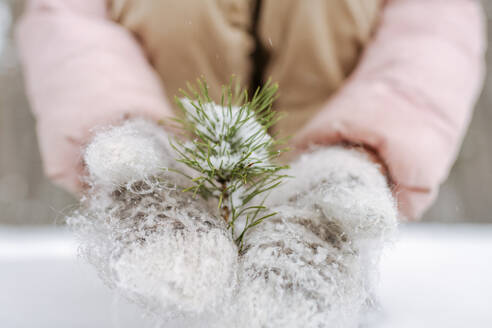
(230, 150)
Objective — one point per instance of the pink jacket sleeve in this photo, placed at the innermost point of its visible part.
(412, 95)
(82, 71)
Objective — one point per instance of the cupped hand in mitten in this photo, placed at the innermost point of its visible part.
(149, 239)
(314, 263)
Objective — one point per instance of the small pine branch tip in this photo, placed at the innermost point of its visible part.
(231, 151)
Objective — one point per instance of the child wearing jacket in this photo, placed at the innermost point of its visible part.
(384, 89)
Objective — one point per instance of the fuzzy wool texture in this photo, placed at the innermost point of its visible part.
(157, 245)
(134, 151)
(297, 271)
(344, 185)
(313, 264)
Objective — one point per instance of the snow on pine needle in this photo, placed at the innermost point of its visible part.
(231, 151)
(246, 144)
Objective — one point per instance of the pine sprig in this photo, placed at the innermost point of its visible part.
(231, 151)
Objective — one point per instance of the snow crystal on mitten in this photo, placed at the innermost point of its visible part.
(298, 270)
(157, 245)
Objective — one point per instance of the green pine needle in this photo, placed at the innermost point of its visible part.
(230, 150)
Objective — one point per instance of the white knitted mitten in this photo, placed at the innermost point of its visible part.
(312, 265)
(153, 242)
